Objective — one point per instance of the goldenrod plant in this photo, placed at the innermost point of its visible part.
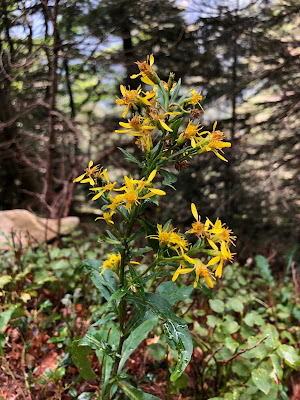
(168, 132)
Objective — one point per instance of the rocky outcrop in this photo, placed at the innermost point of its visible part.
(26, 226)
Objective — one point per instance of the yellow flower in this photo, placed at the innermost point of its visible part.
(107, 218)
(149, 76)
(221, 255)
(200, 269)
(135, 126)
(198, 228)
(220, 233)
(89, 172)
(196, 99)
(112, 263)
(159, 119)
(105, 188)
(167, 237)
(215, 143)
(132, 98)
(190, 133)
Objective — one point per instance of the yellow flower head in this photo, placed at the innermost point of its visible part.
(215, 143)
(107, 218)
(113, 262)
(220, 233)
(168, 237)
(90, 173)
(105, 188)
(190, 134)
(136, 126)
(199, 267)
(132, 98)
(196, 99)
(199, 229)
(149, 76)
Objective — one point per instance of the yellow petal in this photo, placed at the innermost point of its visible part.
(219, 155)
(135, 76)
(151, 176)
(123, 89)
(165, 126)
(214, 127)
(79, 178)
(194, 211)
(158, 192)
(85, 180)
(97, 196)
(189, 259)
(213, 261)
(91, 164)
(151, 60)
(209, 281)
(213, 245)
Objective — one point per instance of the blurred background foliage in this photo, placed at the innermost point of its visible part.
(61, 64)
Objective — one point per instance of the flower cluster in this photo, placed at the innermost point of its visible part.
(158, 109)
(157, 119)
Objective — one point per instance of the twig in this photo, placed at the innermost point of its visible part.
(243, 351)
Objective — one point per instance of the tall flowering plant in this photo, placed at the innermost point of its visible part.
(125, 277)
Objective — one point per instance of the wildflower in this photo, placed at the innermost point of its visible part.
(189, 134)
(135, 126)
(107, 218)
(159, 119)
(170, 238)
(113, 262)
(89, 173)
(200, 269)
(198, 228)
(220, 233)
(105, 188)
(149, 76)
(132, 98)
(196, 99)
(215, 142)
(221, 255)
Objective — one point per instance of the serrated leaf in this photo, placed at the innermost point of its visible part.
(134, 393)
(134, 339)
(79, 357)
(261, 380)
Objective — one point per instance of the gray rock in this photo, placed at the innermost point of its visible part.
(26, 227)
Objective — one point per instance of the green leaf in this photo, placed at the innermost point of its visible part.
(253, 318)
(229, 327)
(176, 330)
(173, 293)
(130, 157)
(261, 380)
(175, 91)
(289, 355)
(157, 351)
(134, 393)
(134, 339)
(5, 317)
(4, 280)
(277, 371)
(94, 339)
(264, 269)
(241, 367)
(231, 344)
(217, 305)
(168, 178)
(175, 126)
(237, 305)
(89, 265)
(79, 357)
(213, 321)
